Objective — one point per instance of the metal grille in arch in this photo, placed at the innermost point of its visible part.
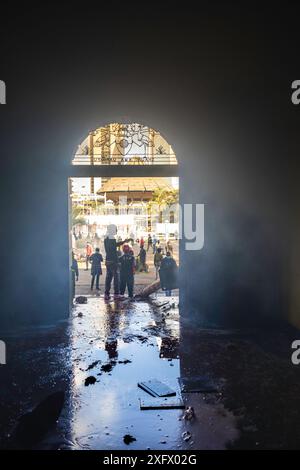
(124, 144)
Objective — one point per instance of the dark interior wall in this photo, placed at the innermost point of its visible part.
(218, 88)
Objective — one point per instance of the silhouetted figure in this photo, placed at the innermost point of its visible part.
(96, 269)
(142, 259)
(88, 253)
(154, 241)
(142, 242)
(168, 274)
(127, 270)
(158, 257)
(112, 260)
(149, 242)
(75, 273)
(169, 247)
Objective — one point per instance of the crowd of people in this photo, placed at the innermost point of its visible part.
(121, 264)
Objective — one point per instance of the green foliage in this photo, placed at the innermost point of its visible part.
(77, 217)
(164, 198)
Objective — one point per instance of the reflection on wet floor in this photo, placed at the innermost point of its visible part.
(120, 344)
(114, 346)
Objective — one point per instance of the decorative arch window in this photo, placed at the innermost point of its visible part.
(124, 144)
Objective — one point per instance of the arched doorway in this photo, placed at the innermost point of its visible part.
(126, 175)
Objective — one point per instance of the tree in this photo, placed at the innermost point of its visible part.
(77, 217)
(164, 198)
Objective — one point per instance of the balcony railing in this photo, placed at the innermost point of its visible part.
(157, 159)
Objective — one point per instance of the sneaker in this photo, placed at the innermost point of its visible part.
(119, 296)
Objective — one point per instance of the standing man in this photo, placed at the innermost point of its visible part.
(169, 247)
(127, 270)
(142, 242)
(75, 273)
(96, 269)
(154, 244)
(112, 260)
(88, 254)
(149, 243)
(168, 274)
(142, 257)
(157, 261)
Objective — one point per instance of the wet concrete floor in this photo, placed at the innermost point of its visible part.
(120, 344)
(100, 354)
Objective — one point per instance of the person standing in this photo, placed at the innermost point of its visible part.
(154, 244)
(142, 242)
(112, 260)
(127, 271)
(142, 257)
(88, 254)
(96, 269)
(75, 273)
(169, 247)
(149, 242)
(157, 261)
(168, 274)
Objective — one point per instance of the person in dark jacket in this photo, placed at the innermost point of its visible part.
(96, 269)
(75, 273)
(112, 260)
(127, 271)
(158, 257)
(149, 242)
(168, 274)
(142, 258)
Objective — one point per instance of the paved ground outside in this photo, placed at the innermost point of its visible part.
(141, 278)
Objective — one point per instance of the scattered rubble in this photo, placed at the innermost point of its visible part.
(156, 388)
(108, 367)
(94, 364)
(90, 380)
(81, 299)
(186, 435)
(161, 403)
(189, 413)
(128, 439)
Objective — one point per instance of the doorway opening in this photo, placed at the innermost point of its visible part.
(123, 175)
(145, 212)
